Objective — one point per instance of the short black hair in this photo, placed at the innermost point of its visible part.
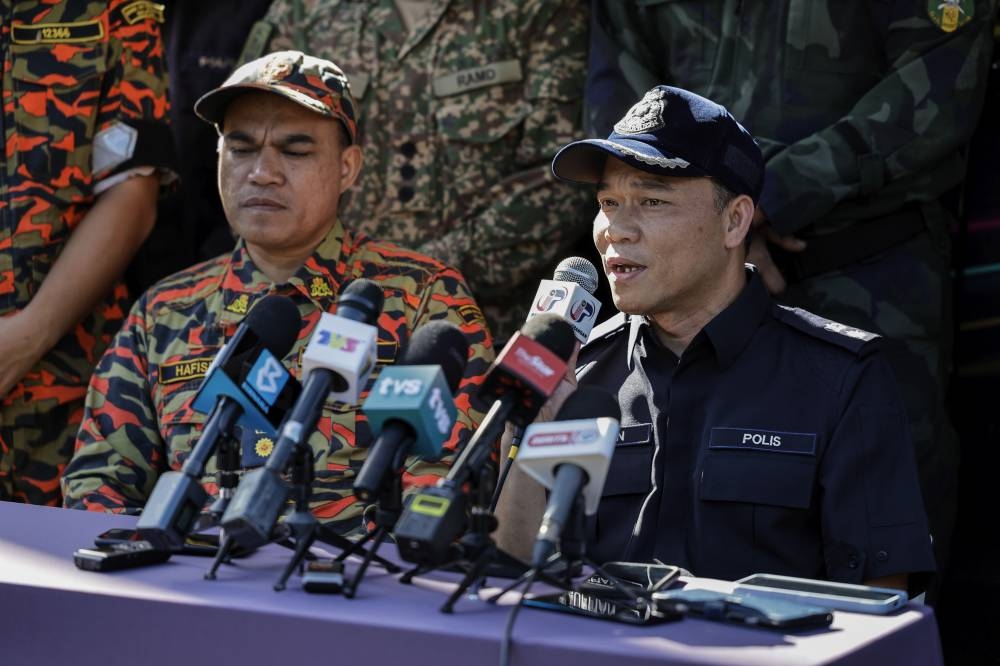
(722, 194)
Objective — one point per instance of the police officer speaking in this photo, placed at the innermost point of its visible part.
(754, 438)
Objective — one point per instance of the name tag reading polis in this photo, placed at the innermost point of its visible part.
(774, 441)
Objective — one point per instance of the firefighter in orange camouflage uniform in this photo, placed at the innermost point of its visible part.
(288, 148)
(86, 146)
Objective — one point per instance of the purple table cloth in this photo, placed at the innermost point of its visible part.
(53, 613)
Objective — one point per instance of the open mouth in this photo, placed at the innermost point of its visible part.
(621, 268)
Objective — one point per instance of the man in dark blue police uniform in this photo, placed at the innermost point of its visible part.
(755, 438)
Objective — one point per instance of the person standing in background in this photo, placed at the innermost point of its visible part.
(86, 146)
(463, 105)
(862, 111)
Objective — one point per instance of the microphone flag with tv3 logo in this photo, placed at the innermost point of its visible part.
(411, 405)
(571, 453)
(524, 375)
(570, 294)
(246, 385)
(337, 361)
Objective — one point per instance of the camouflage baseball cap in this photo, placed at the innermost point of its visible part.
(319, 85)
(671, 132)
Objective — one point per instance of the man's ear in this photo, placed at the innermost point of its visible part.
(737, 217)
(350, 166)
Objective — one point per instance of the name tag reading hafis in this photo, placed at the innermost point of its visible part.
(494, 73)
(802, 443)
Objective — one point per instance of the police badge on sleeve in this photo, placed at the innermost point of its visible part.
(950, 15)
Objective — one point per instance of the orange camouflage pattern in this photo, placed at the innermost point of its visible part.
(73, 71)
(139, 421)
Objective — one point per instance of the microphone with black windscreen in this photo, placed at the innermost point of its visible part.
(519, 382)
(246, 385)
(337, 361)
(411, 405)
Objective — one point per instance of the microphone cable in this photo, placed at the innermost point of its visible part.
(508, 630)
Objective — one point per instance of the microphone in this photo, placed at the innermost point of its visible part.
(336, 363)
(567, 455)
(519, 382)
(411, 404)
(247, 385)
(569, 294)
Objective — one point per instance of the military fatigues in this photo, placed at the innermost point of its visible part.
(776, 443)
(84, 100)
(861, 109)
(139, 421)
(459, 120)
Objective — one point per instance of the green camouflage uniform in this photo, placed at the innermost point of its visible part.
(84, 96)
(139, 420)
(459, 121)
(861, 110)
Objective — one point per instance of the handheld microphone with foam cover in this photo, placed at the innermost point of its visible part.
(411, 404)
(570, 295)
(246, 384)
(568, 454)
(336, 363)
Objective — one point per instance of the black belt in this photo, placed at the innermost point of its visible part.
(848, 246)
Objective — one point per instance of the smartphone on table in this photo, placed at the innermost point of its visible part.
(840, 596)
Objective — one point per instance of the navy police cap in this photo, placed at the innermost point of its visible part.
(671, 132)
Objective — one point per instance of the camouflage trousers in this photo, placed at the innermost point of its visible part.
(38, 424)
(905, 295)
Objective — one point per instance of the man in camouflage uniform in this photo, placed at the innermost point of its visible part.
(84, 133)
(464, 103)
(288, 149)
(861, 110)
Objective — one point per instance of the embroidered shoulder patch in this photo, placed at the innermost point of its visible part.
(950, 15)
(141, 10)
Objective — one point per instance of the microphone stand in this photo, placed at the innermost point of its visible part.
(388, 507)
(476, 549)
(300, 528)
(572, 551)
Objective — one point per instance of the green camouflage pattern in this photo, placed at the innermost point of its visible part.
(862, 110)
(459, 122)
(858, 107)
(139, 421)
(73, 72)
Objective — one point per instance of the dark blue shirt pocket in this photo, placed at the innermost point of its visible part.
(758, 477)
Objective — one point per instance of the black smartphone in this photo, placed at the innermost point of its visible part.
(601, 608)
(757, 612)
(194, 544)
(639, 578)
(119, 556)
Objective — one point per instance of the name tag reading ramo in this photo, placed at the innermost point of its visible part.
(465, 80)
(775, 441)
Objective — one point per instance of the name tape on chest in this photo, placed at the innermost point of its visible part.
(635, 435)
(473, 78)
(58, 33)
(184, 371)
(772, 441)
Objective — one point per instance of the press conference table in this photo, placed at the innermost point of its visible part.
(51, 612)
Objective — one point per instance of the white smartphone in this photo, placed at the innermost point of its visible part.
(840, 596)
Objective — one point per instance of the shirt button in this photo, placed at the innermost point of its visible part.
(407, 172)
(882, 556)
(409, 149)
(405, 194)
(852, 561)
